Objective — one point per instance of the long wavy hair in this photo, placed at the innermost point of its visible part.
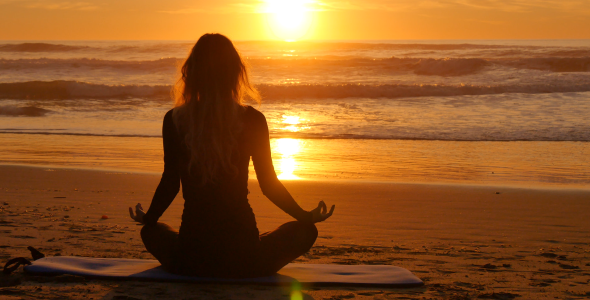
(210, 94)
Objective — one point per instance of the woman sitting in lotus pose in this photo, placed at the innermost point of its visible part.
(209, 138)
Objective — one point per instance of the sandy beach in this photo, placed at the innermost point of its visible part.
(463, 241)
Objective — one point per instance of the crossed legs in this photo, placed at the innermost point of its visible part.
(277, 248)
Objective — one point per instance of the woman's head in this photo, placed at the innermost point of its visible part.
(209, 98)
(214, 71)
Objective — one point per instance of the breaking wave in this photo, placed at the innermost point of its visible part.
(28, 111)
(420, 66)
(555, 64)
(61, 89)
(40, 90)
(39, 47)
(159, 47)
(164, 64)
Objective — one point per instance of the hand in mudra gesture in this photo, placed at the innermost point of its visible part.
(321, 213)
(139, 213)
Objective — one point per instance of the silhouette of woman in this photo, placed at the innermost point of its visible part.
(209, 138)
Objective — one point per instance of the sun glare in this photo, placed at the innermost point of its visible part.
(287, 164)
(293, 120)
(289, 20)
(294, 123)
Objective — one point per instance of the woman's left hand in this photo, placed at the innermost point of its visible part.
(320, 213)
(139, 213)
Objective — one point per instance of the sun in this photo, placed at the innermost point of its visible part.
(289, 20)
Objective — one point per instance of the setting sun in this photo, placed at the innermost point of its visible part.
(289, 20)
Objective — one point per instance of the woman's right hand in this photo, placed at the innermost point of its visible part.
(139, 213)
(321, 213)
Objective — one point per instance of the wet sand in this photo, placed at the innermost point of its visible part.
(464, 242)
(515, 163)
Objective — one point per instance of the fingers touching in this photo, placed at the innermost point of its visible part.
(321, 212)
(331, 211)
(324, 207)
(138, 214)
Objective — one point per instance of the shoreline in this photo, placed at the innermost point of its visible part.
(580, 188)
(518, 164)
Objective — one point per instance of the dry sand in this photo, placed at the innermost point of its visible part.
(464, 242)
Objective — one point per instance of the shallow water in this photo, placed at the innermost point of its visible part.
(524, 164)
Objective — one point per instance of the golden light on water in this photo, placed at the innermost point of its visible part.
(289, 20)
(293, 120)
(287, 165)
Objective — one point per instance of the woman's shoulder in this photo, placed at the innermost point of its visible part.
(169, 117)
(169, 114)
(254, 115)
(175, 113)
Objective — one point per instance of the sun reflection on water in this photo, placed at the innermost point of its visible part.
(287, 165)
(294, 122)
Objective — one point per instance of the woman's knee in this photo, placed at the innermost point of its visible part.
(158, 231)
(308, 233)
(313, 233)
(160, 240)
(145, 232)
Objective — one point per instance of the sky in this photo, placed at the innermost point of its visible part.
(321, 19)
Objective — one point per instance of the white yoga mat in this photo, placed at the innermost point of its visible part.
(316, 274)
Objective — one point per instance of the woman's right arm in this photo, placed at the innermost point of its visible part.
(170, 182)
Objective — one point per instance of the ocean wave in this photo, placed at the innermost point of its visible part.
(575, 136)
(554, 64)
(304, 45)
(166, 47)
(420, 66)
(567, 53)
(440, 67)
(49, 90)
(317, 91)
(61, 89)
(159, 65)
(28, 111)
(39, 47)
(62, 132)
(117, 48)
(155, 48)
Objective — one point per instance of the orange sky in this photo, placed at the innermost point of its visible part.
(246, 20)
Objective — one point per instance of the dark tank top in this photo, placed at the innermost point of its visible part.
(218, 232)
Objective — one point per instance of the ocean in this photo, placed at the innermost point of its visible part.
(491, 112)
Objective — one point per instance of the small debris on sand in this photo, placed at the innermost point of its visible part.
(549, 255)
(568, 267)
(500, 295)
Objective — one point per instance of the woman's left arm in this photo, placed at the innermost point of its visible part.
(170, 182)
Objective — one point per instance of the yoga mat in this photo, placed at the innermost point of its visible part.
(316, 274)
